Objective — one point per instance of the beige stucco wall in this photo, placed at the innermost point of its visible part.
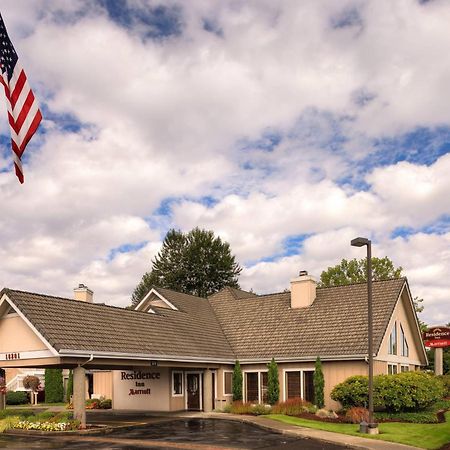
(402, 315)
(103, 384)
(16, 336)
(157, 398)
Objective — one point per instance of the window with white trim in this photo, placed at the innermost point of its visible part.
(228, 383)
(392, 369)
(393, 340)
(177, 384)
(404, 368)
(403, 343)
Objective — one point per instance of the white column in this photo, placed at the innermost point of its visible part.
(79, 395)
(438, 361)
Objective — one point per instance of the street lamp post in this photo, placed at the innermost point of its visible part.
(360, 242)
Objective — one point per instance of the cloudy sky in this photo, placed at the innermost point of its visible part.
(286, 127)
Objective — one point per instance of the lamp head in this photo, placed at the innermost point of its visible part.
(359, 242)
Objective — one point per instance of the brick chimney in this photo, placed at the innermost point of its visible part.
(83, 294)
(303, 290)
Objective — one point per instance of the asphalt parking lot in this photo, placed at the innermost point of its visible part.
(201, 434)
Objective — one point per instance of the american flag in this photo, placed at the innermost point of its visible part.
(23, 111)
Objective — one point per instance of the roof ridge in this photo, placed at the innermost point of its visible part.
(362, 282)
(121, 308)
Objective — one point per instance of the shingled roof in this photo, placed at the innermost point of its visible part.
(265, 326)
(232, 324)
(192, 331)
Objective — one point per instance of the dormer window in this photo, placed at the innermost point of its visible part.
(393, 340)
(403, 343)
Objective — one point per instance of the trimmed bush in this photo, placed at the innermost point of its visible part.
(237, 382)
(407, 391)
(273, 385)
(446, 381)
(319, 384)
(357, 414)
(354, 391)
(16, 398)
(54, 386)
(293, 407)
(31, 382)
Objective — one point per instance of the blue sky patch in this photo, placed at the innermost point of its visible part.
(155, 22)
(213, 27)
(126, 248)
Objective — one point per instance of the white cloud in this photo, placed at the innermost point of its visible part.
(165, 119)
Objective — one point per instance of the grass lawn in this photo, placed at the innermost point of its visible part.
(429, 436)
(39, 405)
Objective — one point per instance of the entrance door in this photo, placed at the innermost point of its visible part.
(193, 391)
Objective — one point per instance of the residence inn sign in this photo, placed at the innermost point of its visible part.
(437, 337)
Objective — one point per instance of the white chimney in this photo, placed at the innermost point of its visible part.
(83, 294)
(303, 290)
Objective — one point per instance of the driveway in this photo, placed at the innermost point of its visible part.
(189, 433)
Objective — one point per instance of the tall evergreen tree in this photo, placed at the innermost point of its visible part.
(54, 386)
(273, 384)
(319, 384)
(196, 263)
(237, 382)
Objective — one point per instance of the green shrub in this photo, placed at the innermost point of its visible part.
(237, 382)
(319, 384)
(54, 386)
(352, 392)
(273, 385)
(446, 382)
(412, 417)
(258, 410)
(16, 398)
(105, 403)
(293, 407)
(407, 391)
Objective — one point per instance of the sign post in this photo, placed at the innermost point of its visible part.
(437, 338)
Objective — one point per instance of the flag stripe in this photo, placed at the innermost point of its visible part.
(24, 115)
(18, 88)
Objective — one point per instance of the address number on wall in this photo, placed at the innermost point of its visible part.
(11, 356)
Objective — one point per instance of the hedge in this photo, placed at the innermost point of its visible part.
(54, 387)
(16, 397)
(407, 391)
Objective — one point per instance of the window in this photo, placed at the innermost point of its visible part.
(228, 383)
(404, 343)
(177, 384)
(299, 384)
(393, 340)
(293, 383)
(392, 369)
(264, 382)
(404, 368)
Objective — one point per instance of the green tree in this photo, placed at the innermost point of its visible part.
(355, 271)
(196, 263)
(319, 384)
(69, 386)
(273, 384)
(54, 387)
(237, 382)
